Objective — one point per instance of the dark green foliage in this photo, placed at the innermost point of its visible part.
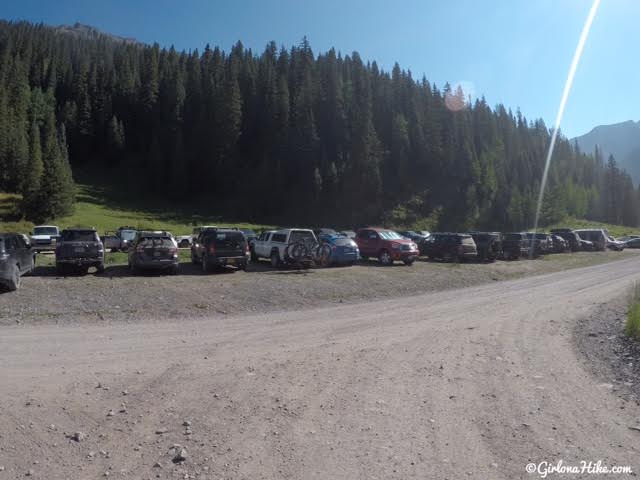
(284, 136)
(55, 196)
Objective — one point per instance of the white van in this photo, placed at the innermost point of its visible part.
(595, 235)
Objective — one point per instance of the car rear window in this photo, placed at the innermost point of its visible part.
(79, 236)
(222, 239)
(45, 231)
(128, 234)
(298, 235)
(156, 242)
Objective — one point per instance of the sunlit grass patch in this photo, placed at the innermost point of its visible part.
(632, 327)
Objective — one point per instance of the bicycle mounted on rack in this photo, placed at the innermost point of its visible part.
(291, 246)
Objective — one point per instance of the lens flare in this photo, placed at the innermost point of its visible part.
(460, 96)
(563, 102)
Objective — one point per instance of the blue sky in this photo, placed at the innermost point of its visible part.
(515, 52)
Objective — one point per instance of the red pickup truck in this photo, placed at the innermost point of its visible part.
(386, 245)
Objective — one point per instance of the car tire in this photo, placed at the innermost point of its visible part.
(275, 259)
(61, 269)
(243, 267)
(385, 258)
(100, 268)
(253, 256)
(408, 262)
(174, 270)
(205, 267)
(14, 282)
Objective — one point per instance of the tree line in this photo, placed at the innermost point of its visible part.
(285, 135)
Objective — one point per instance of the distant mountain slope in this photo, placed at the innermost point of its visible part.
(87, 31)
(622, 140)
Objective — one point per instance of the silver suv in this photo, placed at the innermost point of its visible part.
(154, 251)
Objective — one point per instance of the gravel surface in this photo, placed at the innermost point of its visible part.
(610, 354)
(468, 383)
(116, 296)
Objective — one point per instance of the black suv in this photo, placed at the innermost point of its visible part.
(79, 249)
(218, 247)
(450, 247)
(570, 237)
(540, 242)
(17, 257)
(488, 244)
(514, 246)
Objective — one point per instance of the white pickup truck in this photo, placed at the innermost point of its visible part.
(186, 241)
(44, 237)
(273, 244)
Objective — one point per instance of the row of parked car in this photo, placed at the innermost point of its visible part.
(78, 249)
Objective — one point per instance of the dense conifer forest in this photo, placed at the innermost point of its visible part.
(281, 135)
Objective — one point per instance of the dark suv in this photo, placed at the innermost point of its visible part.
(220, 248)
(570, 237)
(514, 246)
(17, 257)
(541, 243)
(488, 244)
(154, 251)
(79, 249)
(450, 247)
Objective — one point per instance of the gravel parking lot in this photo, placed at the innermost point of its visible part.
(116, 296)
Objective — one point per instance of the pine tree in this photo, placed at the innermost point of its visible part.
(253, 131)
(57, 190)
(33, 177)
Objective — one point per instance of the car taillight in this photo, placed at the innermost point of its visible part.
(212, 249)
(333, 247)
(140, 248)
(246, 248)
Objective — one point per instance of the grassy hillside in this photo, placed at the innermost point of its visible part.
(9, 221)
(615, 230)
(106, 210)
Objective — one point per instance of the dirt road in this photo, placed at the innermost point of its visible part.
(470, 383)
(117, 296)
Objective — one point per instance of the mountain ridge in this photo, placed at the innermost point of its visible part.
(88, 31)
(622, 140)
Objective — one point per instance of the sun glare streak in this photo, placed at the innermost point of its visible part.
(563, 102)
